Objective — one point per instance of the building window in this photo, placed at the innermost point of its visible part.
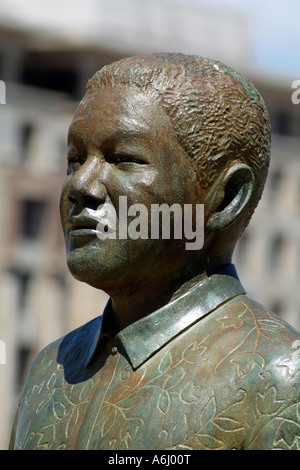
(283, 123)
(277, 308)
(23, 360)
(33, 214)
(274, 185)
(1, 64)
(23, 279)
(277, 247)
(44, 71)
(25, 133)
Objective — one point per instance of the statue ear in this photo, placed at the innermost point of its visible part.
(237, 186)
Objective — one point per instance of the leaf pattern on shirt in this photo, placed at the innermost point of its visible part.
(245, 355)
(63, 404)
(213, 388)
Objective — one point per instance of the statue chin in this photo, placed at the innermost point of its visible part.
(99, 268)
(86, 270)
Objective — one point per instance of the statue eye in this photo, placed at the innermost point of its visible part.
(127, 159)
(75, 161)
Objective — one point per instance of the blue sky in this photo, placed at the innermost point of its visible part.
(276, 33)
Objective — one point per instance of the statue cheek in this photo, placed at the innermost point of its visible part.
(64, 206)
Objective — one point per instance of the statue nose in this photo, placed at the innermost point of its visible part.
(86, 185)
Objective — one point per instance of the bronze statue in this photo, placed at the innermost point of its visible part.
(181, 358)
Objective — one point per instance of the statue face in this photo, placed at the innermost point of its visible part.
(121, 143)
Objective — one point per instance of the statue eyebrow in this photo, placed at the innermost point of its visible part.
(75, 139)
(126, 131)
(128, 135)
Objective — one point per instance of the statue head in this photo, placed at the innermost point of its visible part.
(207, 130)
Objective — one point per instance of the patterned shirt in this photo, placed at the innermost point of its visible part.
(210, 370)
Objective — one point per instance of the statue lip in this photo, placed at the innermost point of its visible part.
(82, 223)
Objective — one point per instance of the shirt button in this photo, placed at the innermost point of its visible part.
(114, 350)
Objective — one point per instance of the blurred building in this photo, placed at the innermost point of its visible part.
(45, 62)
(268, 254)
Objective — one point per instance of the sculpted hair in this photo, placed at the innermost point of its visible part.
(218, 116)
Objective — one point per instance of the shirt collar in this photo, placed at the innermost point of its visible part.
(145, 337)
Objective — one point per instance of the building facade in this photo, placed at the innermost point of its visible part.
(45, 71)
